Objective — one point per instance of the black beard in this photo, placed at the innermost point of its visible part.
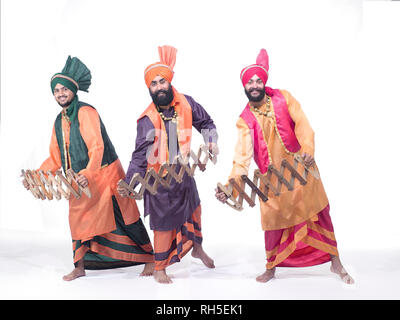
(65, 104)
(163, 101)
(255, 99)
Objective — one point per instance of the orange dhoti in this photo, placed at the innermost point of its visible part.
(106, 229)
(172, 245)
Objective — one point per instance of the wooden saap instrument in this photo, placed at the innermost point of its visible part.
(167, 172)
(263, 182)
(48, 186)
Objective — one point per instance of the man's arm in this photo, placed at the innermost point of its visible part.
(243, 152)
(303, 130)
(138, 163)
(89, 125)
(241, 160)
(53, 162)
(203, 123)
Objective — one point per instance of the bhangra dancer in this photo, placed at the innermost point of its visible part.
(164, 130)
(106, 229)
(272, 127)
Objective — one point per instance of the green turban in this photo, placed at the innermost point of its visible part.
(75, 76)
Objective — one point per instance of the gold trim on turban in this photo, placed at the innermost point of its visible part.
(65, 77)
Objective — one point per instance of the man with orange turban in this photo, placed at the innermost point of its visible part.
(164, 130)
(273, 127)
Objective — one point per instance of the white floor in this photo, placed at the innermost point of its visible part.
(32, 265)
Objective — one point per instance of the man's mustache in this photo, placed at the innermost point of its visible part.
(255, 89)
(161, 91)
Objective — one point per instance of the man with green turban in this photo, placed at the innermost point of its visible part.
(106, 229)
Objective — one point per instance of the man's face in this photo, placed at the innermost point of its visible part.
(255, 89)
(161, 91)
(63, 95)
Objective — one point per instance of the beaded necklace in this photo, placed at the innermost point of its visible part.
(66, 147)
(270, 114)
(173, 118)
(65, 116)
(265, 114)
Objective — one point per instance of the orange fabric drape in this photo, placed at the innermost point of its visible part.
(94, 216)
(159, 153)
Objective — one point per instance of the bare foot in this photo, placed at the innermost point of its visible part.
(199, 253)
(148, 269)
(338, 268)
(161, 276)
(76, 273)
(266, 276)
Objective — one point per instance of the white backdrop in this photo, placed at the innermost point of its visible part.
(338, 58)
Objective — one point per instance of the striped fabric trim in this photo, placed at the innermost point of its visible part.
(127, 245)
(126, 241)
(121, 255)
(171, 246)
(310, 233)
(156, 66)
(317, 228)
(174, 254)
(287, 245)
(113, 250)
(65, 77)
(114, 247)
(79, 252)
(253, 66)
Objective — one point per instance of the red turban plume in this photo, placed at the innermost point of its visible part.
(262, 59)
(260, 68)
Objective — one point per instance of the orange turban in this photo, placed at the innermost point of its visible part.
(164, 67)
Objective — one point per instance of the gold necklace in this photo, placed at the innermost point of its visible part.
(265, 114)
(67, 156)
(64, 115)
(173, 118)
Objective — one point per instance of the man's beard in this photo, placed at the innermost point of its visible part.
(165, 100)
(66, 103)
(255, 99)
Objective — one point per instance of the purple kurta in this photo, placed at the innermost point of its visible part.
(172, 207)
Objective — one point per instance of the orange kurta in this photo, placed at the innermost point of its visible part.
(94, 216)
(290, 207)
